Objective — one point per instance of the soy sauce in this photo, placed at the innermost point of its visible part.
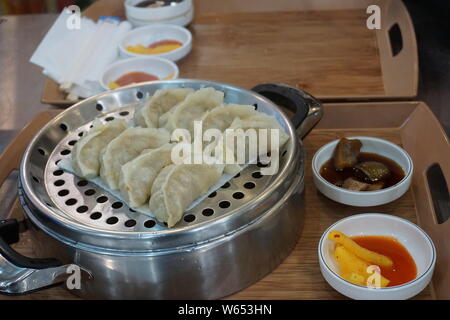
(329, 172)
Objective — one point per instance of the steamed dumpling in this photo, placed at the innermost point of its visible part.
(162, 122)
(261, 121)
(86, 153)
(222, 116)
(137, 175)
(138, 118)
(177, 186)
(161, 102)
(127, 146)
(193, 108)
(258, 121)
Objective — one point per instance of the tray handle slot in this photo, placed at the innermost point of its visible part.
(439, 192)
(398, 50)
(396, 40)
(427, 143)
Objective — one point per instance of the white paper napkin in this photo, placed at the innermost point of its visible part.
(76, 58)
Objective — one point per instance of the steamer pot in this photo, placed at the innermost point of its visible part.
(230, 240)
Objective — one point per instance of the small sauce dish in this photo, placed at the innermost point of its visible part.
(149, 35)
(176, 12)
(163, 69)
(413, 238)
(364, 198)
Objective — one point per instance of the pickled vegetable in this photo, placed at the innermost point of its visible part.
(346, 153)
(360, 171)
(372, 171)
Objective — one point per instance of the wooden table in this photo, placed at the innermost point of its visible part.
(298, 277)
(324, 52)
(329, 53)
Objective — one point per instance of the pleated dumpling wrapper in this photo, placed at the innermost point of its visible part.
(183, 115)
(256, 122)
(86, 152)
(161, 102)
(137, 176)
(127, 146)
(262, 121)
(222, 116)
(177, 186)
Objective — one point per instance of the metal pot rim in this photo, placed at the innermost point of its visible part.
(230, 221)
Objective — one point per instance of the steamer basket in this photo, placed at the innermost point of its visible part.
(228, 241)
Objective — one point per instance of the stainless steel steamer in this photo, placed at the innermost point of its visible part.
(232, 239)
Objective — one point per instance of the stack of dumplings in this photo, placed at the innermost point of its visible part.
(136, 160)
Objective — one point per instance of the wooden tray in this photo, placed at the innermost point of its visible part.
(409, 124)
(324, 50)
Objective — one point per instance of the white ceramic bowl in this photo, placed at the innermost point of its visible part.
(416, 241)
(181, 20)
(162, 68)
(157, 15)
(364, 198)
(154, 33)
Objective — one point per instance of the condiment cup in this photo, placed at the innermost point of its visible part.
(179, 13)
(364, 198)
(162, 68)
(182, 20)
(412, 237)
(154, 33)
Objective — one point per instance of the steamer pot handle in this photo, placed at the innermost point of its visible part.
(9, 234)
(20, 274)
(307, 109)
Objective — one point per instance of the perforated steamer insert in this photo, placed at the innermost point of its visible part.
(90, 205)
(231, 239)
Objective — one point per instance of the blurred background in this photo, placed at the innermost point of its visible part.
(38, 6)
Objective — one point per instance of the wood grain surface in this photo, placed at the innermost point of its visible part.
(298, 277)
(329, 53)
(321, 47)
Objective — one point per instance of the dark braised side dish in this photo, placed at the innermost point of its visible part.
(346, 153)
(360, 171)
